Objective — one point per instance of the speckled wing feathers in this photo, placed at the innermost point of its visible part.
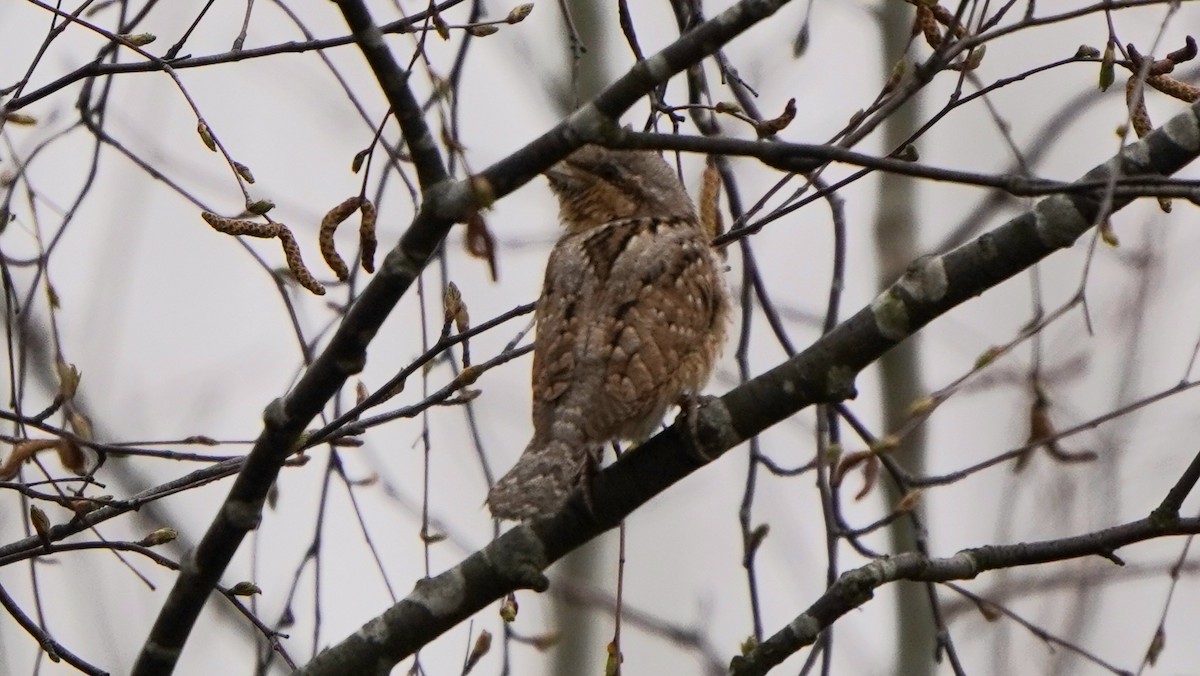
(660, 325)
(631, 317)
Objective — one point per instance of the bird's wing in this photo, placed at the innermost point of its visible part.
(631, 316)
(568, 291)
(667, 300)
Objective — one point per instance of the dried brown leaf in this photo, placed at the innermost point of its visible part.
(848, 462)
(774, 126)
(870, 477)
(80, 424)
(22, 451)
(71, 455)
(480, 243)
(910, 501)
(483, 644)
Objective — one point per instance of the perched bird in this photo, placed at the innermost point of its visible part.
(631, 319)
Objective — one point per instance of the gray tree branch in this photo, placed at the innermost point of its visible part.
(856, 587)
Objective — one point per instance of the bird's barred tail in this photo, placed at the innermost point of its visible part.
(540, 481)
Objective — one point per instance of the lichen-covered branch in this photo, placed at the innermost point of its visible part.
(856, 587)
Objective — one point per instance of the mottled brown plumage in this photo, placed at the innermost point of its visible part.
(631, 319)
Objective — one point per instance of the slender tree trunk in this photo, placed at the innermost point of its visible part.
(900, 370)
(580, 649)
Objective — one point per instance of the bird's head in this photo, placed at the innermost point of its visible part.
(596, 185)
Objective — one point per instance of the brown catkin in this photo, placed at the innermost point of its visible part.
(240, 226)
(329, 225)
(291, 253)
(366, 235)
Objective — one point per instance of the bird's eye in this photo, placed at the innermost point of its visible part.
(607, 171)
